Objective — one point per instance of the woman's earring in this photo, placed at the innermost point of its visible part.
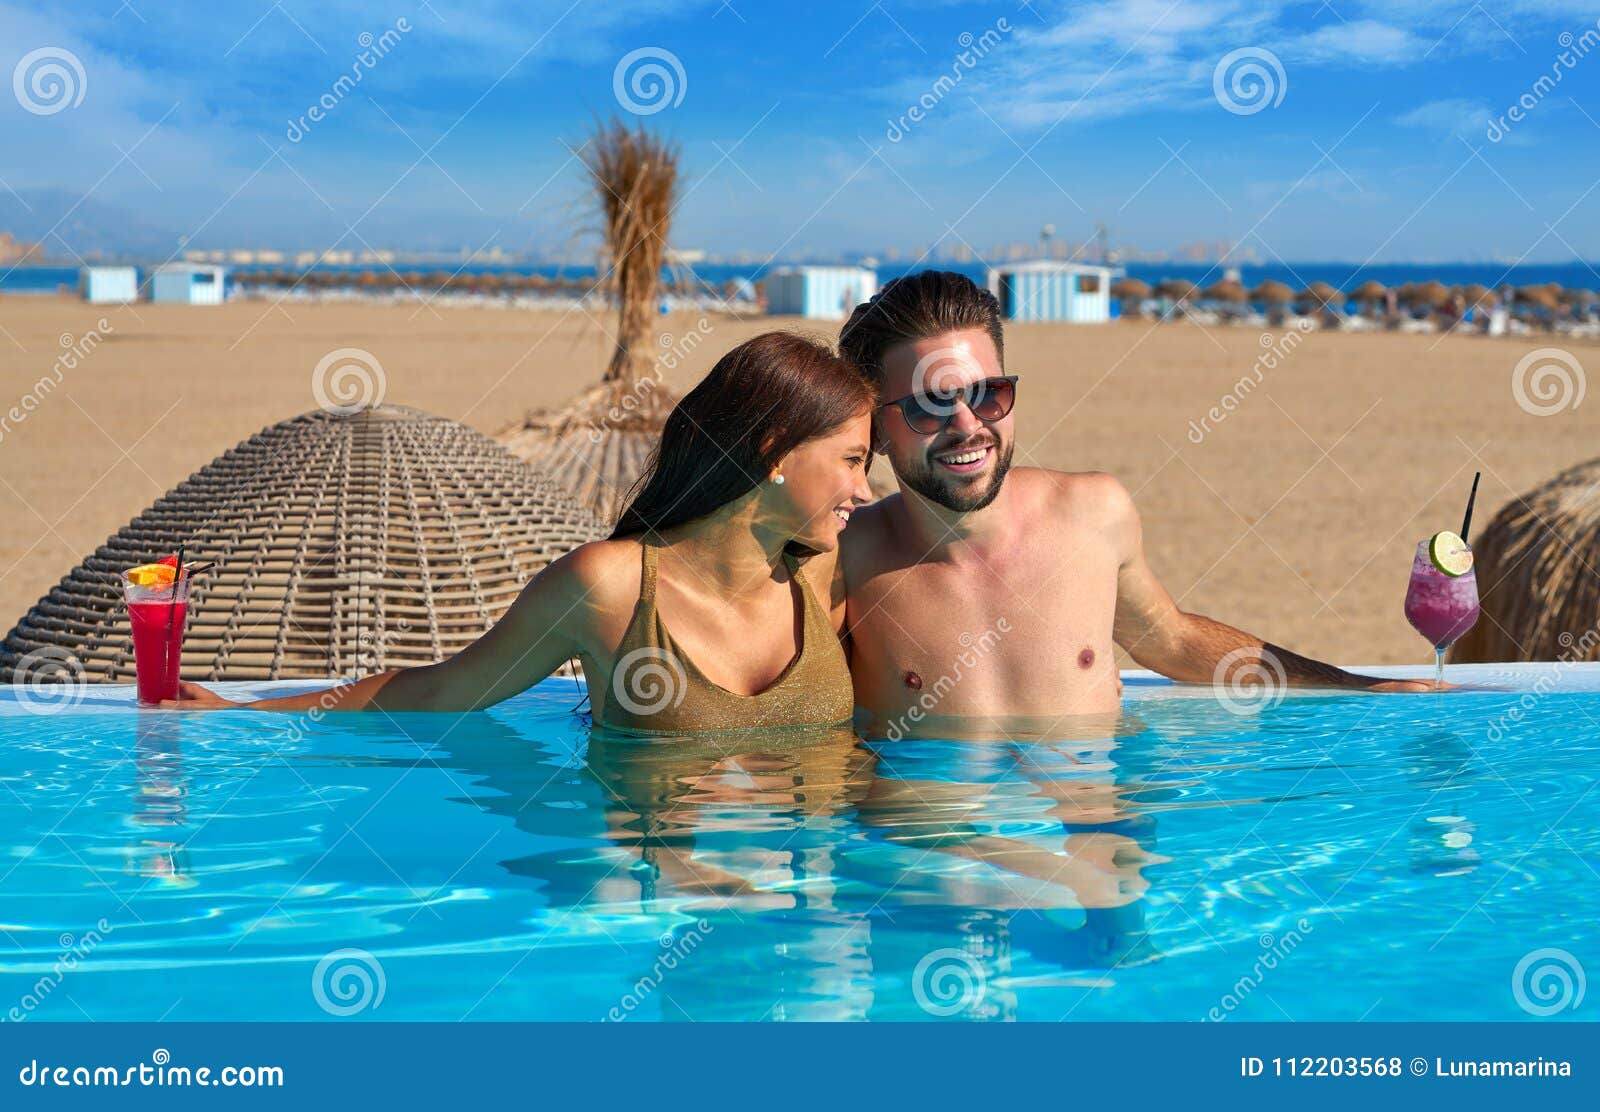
(778, 478)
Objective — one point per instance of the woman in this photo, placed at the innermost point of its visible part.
(760, 464)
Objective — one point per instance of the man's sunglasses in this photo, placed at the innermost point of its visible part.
(928, 411)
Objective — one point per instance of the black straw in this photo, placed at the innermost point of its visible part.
(1466, 522)
(172, 611)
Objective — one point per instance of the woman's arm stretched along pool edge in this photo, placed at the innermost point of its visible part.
(548, 624)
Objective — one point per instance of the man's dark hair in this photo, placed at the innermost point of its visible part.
(927, 303)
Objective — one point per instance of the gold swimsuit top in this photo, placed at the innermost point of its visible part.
(655, 688)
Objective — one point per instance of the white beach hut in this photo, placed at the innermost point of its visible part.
(188, 283)
(1047, 290)
(820, 292)
(104, 284)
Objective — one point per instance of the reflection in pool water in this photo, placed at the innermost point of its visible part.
(1329, 858)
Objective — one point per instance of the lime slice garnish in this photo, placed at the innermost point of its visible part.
(1450, 554)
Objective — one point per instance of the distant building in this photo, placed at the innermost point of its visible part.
(1053, 291)
(188, 284)
(13, 250)
(819, 292)
(108, 284)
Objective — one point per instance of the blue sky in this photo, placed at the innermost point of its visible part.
(461, 134)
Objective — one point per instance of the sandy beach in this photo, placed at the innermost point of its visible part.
(1293, 516)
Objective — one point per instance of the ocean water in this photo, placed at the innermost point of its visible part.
(1338, 857)
(1345, 276)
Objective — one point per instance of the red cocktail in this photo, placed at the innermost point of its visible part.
(157, 608)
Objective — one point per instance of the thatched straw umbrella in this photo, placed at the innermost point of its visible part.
(1541, 304)
(1541, 297)
(1272, 292)
(1431, 294)
(600, 443)
(635, 176)
(1321, 295)
(1369, 294)
(1226, 290)
(1414, 293)
(1130, 292)
(1175, 289)
(1538, 570)
(1579, 299)
(344, 543)
(1277, 297)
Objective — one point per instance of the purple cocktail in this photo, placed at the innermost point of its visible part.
(1440, 606)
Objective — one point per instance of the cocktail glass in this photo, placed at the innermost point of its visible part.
(1440, 607)
(157, 615)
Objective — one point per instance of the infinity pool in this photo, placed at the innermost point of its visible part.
(1335, 857)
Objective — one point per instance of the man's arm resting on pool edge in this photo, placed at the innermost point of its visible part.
(1190, 648)
(529, 642)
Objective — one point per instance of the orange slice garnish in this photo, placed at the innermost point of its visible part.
(152, 575)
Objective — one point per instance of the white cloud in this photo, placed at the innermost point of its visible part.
(1150, 28)
(1132, 56)
(1450, 117)
(1364, 40)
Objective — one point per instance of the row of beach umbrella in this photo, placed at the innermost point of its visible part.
(1429, 295)
(429, 281)
(408, 280)
(1432, 295)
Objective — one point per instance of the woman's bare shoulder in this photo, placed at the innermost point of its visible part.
(601, 575)
(818, 569)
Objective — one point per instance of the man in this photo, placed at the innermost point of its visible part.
(983, 591)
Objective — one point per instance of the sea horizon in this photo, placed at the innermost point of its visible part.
(47, 278)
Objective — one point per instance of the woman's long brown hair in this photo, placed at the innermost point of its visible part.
(763, 399)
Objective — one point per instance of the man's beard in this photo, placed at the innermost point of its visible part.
(953, 494)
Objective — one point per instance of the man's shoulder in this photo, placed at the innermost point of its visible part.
(1080, 493)
(869, 537)
(874, 515)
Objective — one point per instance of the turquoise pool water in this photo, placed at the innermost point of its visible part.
(1326, 857)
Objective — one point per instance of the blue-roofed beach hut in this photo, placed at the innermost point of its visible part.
(189, 284)
(105, 284)
(820, 292)
(1047, 290)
